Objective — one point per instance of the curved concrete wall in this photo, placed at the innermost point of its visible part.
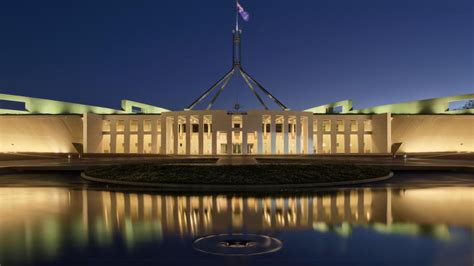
(433, 133)
(40, 133)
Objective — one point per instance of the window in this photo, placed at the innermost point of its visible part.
(279, 128)
(326, 125)
(207, 128)
(267, 127)
(133, 125)
(136, 109)
(223, 148)
(368, 125)
(120, 125)
(354, 143)
(353, 125)
(236, 121)
(336, 109)
(106, 125)
(147, 125)
(106, 144)
(340, 145)
(158, 126)
(195, 128)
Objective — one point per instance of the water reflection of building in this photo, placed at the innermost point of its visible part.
(39, 221)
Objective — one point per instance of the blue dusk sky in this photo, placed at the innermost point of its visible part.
(305, 52)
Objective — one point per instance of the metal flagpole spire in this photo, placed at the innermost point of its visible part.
(237, 67)
(236, 15)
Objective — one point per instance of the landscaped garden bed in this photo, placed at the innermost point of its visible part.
(267, 174)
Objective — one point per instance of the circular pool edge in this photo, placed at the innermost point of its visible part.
(227, 188)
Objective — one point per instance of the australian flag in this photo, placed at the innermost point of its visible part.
(245, 16)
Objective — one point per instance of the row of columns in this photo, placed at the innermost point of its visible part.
(222, 122)
(251, 124)
(140, 133)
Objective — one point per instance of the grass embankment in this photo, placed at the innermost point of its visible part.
(237, 174)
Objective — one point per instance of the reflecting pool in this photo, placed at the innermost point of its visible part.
(360, 226)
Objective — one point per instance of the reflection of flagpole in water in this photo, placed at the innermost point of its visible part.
(389, 207)
(85, 215)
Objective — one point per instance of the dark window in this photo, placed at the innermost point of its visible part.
(279, 128)
(268, 127)
(206, 128)
(337, 109)
(461, 105)
(12, 105)
(136, 109)
(195, 128)
(290, 126)
(236, 125)
(183, 127)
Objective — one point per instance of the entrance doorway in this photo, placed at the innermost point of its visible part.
(237, 148)
(250, 148)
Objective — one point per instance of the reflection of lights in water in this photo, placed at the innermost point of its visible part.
(321, 227)
(44, 215)
(221, 203)
(345, 229)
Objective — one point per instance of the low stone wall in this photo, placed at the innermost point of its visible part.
(233, 188)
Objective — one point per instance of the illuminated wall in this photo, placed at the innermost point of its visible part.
(433, 133)
(40, 133)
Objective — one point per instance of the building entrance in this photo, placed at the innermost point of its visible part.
(250, 148)
(237, 148)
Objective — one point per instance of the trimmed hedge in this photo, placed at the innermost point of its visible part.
(266, 174)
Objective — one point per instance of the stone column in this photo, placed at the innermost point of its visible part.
(201, 134)
(285, 134)
(310, 134)
(320, 134)
(163, 135)
(154, 136)
(214, 140)
(244, 141)
(140, 137)
(333, 136)
(229, 141)
(113, 135)
(298, 134)
(244, 134)
(272, 134)
(260, 130)
(175, 134)
(126, 136)
(189, 131)
(347, 135)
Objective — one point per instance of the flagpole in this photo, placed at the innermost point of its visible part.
(236, 16)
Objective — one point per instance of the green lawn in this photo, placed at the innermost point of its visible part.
(237, 174)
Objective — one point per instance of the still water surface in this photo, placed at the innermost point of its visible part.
(361, 226)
